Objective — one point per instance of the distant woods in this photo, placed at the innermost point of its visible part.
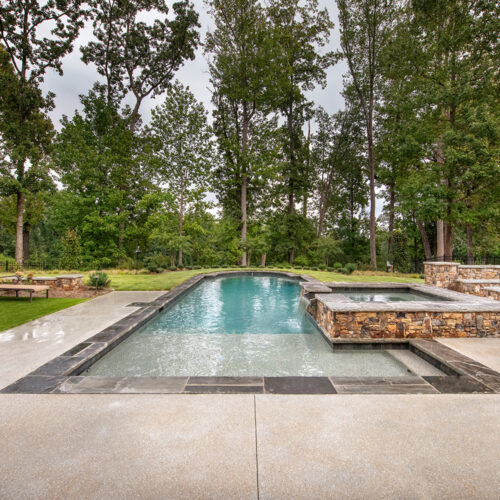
(407, 170)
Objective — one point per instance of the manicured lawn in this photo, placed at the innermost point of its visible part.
(128, 280)
(167, 280)
(15, 312)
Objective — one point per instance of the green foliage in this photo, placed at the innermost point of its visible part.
(400, 255)
(351, 267)
(137, 56)
(72, 251)
(99, 280)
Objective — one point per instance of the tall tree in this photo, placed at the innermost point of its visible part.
(238, 49)
(362, 32)
(96, 154)
(300, 30)
(182, 151)
(138, 57)
(30, 55)
(440, 105)
(333, 145)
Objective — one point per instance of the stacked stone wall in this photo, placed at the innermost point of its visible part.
(390, 324)
(442, 274)
(449, 275)
(479, 272)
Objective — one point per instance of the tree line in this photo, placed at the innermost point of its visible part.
(270, 177)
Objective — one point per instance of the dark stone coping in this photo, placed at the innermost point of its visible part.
(62, 374)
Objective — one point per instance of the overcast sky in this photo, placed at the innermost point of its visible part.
(79, 78)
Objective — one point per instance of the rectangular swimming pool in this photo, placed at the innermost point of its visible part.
(239, 326)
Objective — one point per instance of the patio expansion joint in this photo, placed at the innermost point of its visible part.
(256, 445)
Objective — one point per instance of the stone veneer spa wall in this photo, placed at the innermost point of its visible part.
(453, 315)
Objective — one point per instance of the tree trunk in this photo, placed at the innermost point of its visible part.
(291, 186)
(440, 240)
(244, 219)
(448, 241)
(440, 230)
(425, 240)
(371, 169)
(243, 195)
(19, 228)
(263, 260)
(391, 218)
(470, 251)
(181, 223)
(304, 205)
(26, 242)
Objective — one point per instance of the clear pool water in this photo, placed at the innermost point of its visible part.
(389, 296)
(238, 326)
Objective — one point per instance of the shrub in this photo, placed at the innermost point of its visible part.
(351, 267)
(343, 270)
(322, 267)
(196, 267)
(224, 266)
(330, 269)
(337, 265)
(314, 268)
(98, 280)
(172, 268)
(301, 260)
(400, 253)
(72, 250)
(152, 267)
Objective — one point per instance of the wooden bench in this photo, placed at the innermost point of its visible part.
(28, 288)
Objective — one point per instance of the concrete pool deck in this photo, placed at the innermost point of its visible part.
(26, 347)
(235, 446)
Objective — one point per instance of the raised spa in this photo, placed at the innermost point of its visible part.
(388, 295)
(240, 326)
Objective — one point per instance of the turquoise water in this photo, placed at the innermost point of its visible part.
(238, 305)
(390, 296)
(238, 326)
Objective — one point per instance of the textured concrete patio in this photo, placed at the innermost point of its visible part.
(235, 446)
(245, 446)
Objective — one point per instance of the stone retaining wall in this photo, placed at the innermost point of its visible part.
(451, 275)
(64, 282)
(479, 272)
(493, 292)
(442, 274)
(391, 324)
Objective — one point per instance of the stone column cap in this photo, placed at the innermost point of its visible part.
(443, 263)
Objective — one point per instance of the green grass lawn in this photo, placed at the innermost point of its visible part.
(167, 280)
(128, 280)
(15, 312)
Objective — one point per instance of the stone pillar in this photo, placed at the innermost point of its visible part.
(442, 274)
